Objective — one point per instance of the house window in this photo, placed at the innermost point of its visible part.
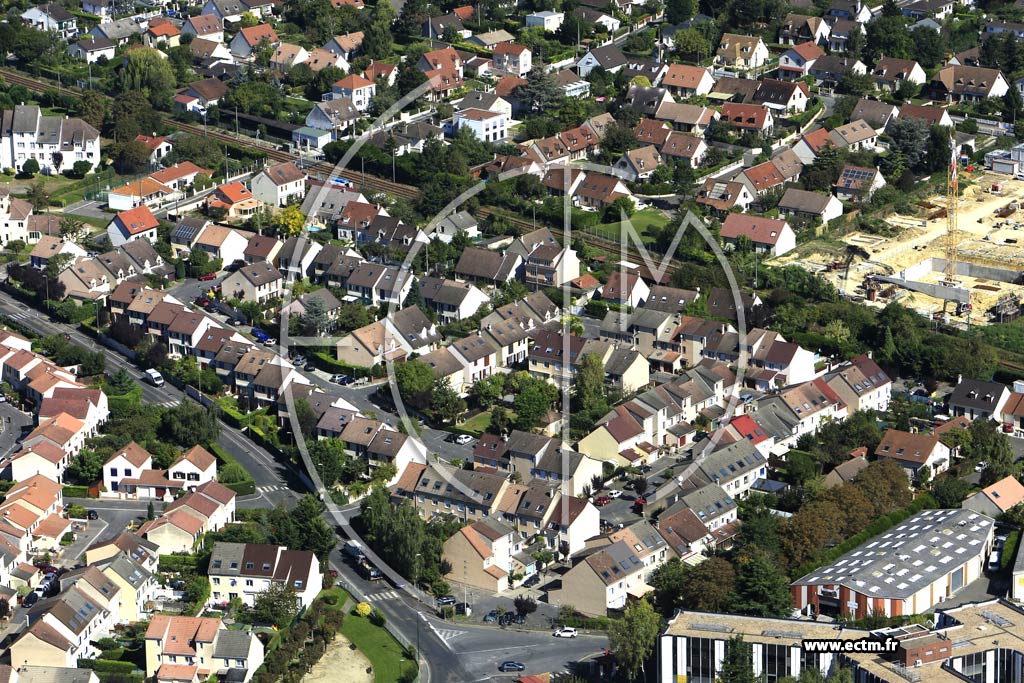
(113, 471)
(248, 582)
(216, 582)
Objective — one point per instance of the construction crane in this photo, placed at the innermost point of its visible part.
(952, 209)
(953, 231)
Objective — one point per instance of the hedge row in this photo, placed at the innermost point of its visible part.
(107, 666)
(242, 488)
(182, 564)
(589, 623)
(76, 491)
(324, 361)
(883, 523)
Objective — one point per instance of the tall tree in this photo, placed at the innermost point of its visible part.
(540, 93)
(761, 588)
(633, 637)
(446, 402)
(677, 11)
(147, 71)
(588, 383)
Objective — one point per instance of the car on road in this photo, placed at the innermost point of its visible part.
(260, 335)
(154, 377)
(309, 367)
(491, 616)
(447, 600)
(645, 469)
(92, 514)
(565, 632)
(463, 439)
(336, 379)
(299, 360)
(614, 493)
(602, 500)
(507, 667)
(207, 277)
(30, 599)
(270, 342)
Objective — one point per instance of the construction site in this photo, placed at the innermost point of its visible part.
(962, 267)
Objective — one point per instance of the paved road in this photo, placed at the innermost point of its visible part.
(88, 208)
(457, 654)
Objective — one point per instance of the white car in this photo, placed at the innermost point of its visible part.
(614, 493)
(565, 632)
(980, 466)
(463, 439)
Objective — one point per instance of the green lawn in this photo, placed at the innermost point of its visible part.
(383, 651)
(642, 222)
(477, 424)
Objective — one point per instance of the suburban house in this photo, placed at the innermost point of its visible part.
(483, 551)
(741, 52)
(243, 570)
(279, 185)
(134, 224)
(996, 498)
(975, 399)
(804, 206)
(914, 451)
(259, 282)
(767, 235)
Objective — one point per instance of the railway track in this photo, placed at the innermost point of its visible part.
(325, 170)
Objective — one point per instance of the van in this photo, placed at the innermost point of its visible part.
(994, 560)
(154, 377)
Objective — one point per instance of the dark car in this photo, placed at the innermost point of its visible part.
(30, 599)
(491, 616)
(519, 619)
(309, 367)
(532, 581)
(505, 619)
(506, 667)
(203, 302)
(346, 380)
(92, 514)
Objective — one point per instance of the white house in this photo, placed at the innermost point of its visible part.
(125, 463)
(547, 20)
(512, 60)
(243, 570)
(51, 18)
(488, 126)
(768, 235)
(914, 451)
(55, 142)
(280, 184)
(91, 49)
(195, 467)
(355, 88)
(135, 224)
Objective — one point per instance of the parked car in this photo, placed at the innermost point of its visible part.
(30, 599)
(336, 379)
(92, 514)
(447, 600)
(309, 367)
(980, 466)
(614, 493)
(346, 380)
(299, 360)
(491, 616)
(532, 581)
(270, 342)
(565, 632)
(506, 667)
(463, 439)
(203, 302)
(260, 335)
(602, 500)
(208, 277)
(519, 619)
(995, 560)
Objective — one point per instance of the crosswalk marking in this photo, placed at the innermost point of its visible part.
(268, 489)
(383, 595)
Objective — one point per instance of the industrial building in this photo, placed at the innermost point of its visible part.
(907, 570)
